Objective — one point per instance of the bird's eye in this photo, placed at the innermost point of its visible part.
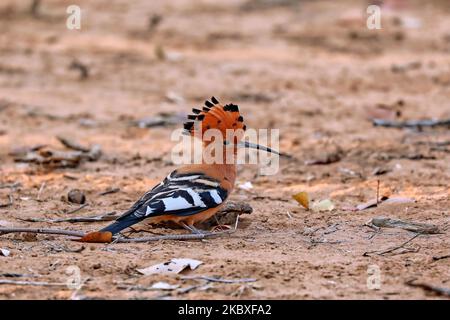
(225, 142)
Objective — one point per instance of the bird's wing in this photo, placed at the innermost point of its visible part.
(179, 194)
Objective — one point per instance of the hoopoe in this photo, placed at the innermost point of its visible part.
(193, 193)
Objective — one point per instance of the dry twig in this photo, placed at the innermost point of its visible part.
(79, 234)
(213, 279)
(411, 123)
(389, 250)
(10, 202)
(41, 189)
(427, 287)
(10, 185)
(77, 209)
(69, 143)
(103, 217)
(441, 257)
(197, 236)
(109, 191)
(32, 283)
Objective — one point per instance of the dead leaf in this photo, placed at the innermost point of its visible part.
(371, 203)
(302, 198)
(164, 286)
(247, 186)
(4, 252)
(374, 203)
(323, 205)
(396, 200)
(97, 237)
(174, 266)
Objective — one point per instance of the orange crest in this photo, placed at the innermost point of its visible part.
(214, 116)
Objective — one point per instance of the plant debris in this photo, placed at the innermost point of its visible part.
(247, 186)
(218, 279)
(164, 286)
(392, 249)
(441, 291)
(302, 198)
(109, 191)
(369, 204)
(375, 203)
(174, 266)
(436, 258)
(51, 158)
(110, 216)
(4, 252)
(423, 228)
(162, 119)
(323, 205)
(72, 144)
(410, 123)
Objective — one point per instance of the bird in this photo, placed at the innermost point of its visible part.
(193, 193)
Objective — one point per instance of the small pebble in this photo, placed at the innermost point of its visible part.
(76, 196)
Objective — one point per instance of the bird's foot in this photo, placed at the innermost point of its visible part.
(221, 227)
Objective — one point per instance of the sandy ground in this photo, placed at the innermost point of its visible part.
(310, 68)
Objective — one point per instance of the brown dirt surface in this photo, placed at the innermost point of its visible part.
(309, 68)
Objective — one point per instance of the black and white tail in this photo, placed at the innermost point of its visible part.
(122, 223)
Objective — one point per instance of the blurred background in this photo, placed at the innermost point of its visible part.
(312, 69)
(291, 64)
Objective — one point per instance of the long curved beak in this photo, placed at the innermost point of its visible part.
(246, 144)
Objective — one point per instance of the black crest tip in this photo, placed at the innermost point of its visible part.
(214, 100)
(208, 104)
(196, 111)
(188, 125)
(231, 107)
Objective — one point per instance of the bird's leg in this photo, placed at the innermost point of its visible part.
(191, 228)
(197, 231)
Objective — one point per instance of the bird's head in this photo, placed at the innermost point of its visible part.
(223, 120)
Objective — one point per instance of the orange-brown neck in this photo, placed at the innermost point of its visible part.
(218, 153)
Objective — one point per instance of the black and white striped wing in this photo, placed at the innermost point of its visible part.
(179, 194)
